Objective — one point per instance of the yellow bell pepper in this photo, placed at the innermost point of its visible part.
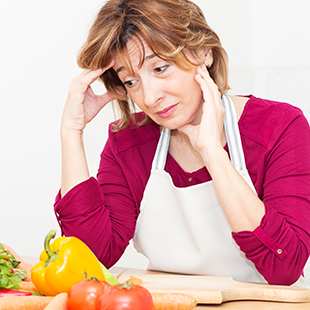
(64, 263)
(54, 246)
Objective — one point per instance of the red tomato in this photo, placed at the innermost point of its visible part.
(84, 294)
(134, 298)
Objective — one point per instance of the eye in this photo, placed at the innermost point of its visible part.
(130, 83)
(161, 69)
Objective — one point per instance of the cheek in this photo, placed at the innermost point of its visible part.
(198, 94)
(137, 98)
(193, 92)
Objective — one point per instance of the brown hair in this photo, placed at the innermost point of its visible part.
(169, 28)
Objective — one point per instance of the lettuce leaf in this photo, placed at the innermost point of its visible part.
(10, 276)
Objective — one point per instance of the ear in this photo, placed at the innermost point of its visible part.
(208, 58)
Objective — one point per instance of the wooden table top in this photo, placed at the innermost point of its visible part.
(256, 305)
(231, 305)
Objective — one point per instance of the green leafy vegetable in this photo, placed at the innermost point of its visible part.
(10, 277)
(22, 273)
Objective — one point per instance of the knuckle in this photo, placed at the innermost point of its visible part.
(74, 82)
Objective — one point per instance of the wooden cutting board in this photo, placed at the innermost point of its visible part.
(216, 290)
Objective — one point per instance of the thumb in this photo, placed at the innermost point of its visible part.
(107, 97)
(104, 99)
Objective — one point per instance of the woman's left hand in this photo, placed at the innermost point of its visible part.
(209, 135)
(243, 209)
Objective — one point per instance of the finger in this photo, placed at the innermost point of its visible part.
(88, 71)
(208, 81)
(88, 76)
(206, 91)
(206, 76)
(104, 99)
(121, 89)
(108, 97)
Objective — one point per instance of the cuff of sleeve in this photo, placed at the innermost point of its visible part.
(274, 246)
(273, 232)
(83, 198)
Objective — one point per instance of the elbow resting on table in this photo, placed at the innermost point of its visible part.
(283, 278)
(285, 273)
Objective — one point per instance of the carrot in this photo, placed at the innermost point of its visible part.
(22, 264)
(58, 303)
(173, 301)
(24, 302)
(135, 281)
(27, 286)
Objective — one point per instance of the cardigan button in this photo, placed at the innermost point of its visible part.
(279, 251)
(190, 179)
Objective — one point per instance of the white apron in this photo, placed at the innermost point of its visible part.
(184, 230)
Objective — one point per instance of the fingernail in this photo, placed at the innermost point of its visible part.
(199, 68)
(121, 89)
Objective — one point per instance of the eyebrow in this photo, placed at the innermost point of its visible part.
(148, 57)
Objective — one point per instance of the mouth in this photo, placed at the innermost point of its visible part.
(168, 111)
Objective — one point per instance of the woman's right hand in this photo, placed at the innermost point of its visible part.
(81, 107)
(82, 104)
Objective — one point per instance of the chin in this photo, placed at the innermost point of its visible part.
(177, 123)
(173, 123)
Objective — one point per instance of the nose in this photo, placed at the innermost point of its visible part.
(153, 91)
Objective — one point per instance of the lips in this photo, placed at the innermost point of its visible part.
(168, 111)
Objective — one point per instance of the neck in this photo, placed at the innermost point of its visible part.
(181, 135)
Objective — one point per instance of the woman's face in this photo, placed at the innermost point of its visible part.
(168, 95)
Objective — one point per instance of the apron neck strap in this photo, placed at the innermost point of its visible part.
(160, 157)
(232, 136)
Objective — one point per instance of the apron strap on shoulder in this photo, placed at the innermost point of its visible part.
(159, 160)
(233, 134)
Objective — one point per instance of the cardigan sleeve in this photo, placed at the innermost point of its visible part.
(280, 246)
(100, 212)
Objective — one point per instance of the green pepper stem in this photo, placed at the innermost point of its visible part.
(51, 255)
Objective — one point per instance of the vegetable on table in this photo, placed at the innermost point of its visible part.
(127, 297)
(168, 301)
(65, 265)
(22, 264)
(6, 292)
(25, 302)
(108, 275)
(135, 281)
(10, 274)
(84, 294)
(28, 286)
(55, 247)
(59, 302)
(173, 301)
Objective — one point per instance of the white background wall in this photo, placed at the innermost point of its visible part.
(267, 41)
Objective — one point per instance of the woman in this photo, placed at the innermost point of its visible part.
(196, 195)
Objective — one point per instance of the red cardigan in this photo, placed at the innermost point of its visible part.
(276, 142)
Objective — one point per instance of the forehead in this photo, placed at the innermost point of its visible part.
(133, 56)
